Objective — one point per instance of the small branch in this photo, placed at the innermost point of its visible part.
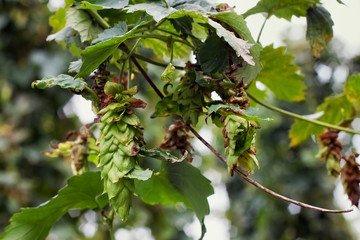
(258, 185)
(297, 116)
(261, 30)
(149, 60)
(146, 76)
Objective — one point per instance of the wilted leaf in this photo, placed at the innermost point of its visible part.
(62, 80)
(239, 45)
(162, 154)
(35, 223)
(282, 8)
(334, 111)
(280, 75)
(352, 89)
(319, 29)
(237, 23)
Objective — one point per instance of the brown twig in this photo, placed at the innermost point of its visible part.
(241, 174)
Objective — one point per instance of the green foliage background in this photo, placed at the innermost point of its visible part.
(31, 118)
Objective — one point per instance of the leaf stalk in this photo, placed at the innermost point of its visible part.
(297, 116)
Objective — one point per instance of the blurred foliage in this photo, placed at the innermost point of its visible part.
(29, 179)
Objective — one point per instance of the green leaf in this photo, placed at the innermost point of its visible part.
(247, 114)
(166, 107)
(139, 173)
(35, 223)
(166, 193)
(75, 66)
(193, 185)
(281, 76)
(237, 23)
(119, 29)
(352, 89)
(282, 8)
(103, 4)
(213, 55)
(81, 22)
(249, 72)
(334, 110)
(319, 28)
(168, 74)
(62, 80)
(94, 55)
(239, 45)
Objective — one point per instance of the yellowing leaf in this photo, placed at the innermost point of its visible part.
(352, 89)
(280, 75)
(319, 28)
(334, 110)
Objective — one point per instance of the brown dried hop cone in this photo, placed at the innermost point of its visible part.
(177, 138)
(330, 151)
(350, 178)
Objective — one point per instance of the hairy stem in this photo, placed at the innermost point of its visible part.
(297, 116)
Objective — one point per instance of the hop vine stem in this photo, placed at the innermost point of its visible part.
(104, 24)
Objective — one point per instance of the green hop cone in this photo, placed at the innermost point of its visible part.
(119, 142)
(239, 144)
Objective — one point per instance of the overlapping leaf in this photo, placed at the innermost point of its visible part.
(319, 28)
(35, 223)
(239, 45)
(281, 76)
(81, 22)
(282, 8)
(334, 110)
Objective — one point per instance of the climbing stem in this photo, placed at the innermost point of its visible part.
(297, 116)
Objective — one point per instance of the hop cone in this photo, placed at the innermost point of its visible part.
(239, 144)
